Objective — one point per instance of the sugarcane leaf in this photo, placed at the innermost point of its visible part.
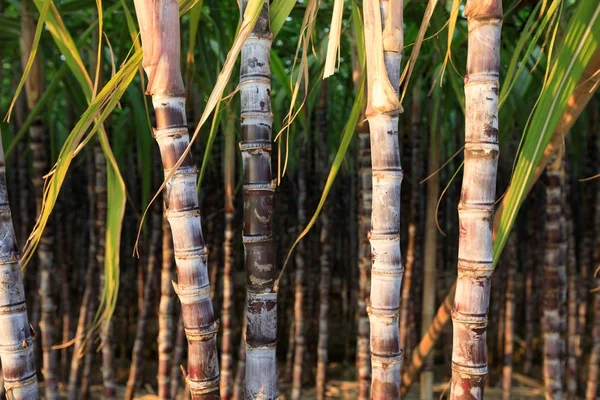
(280, 11)
(95, 114)
(578, 46)
(45, 7)
(195, 14)
(451, 27)
(211, 140)
(333, 45)
(531, 35)
(410, 65)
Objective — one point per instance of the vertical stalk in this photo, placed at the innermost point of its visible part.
(16, 343)
(554, 265)
(238, 387)
(299, 259)
(326, 249)
(476, 206)
(261, 301)
(572, 328)
(166, 314)
(509, 316)
(137, 354)
(159, 26)
(431, 241)
(226, 388)
(384, 38)
(363, 366)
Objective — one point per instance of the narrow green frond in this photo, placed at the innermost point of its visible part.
(32, 53)
(579, 44)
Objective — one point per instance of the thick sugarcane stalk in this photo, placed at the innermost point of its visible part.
(577, 102)
(226, 388)
(554, 263)
(476, 206)
(166, 314)
(159, 26)
(326, 248)
(261, 301)
(363, 365)
(16, 342)
(412, 247)
(40, 155)
(299, 288)
(431, 242)
(509, 316)
(384, 39)
(137, 354)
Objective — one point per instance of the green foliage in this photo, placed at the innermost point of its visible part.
(580, 42)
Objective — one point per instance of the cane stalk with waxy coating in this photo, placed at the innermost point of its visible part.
(384, 39)
(261, 301)
(476, 206)
(159, 26)
(16, 343)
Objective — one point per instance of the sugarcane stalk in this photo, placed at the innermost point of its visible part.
(166, 314)
(256, 120)
(577, 102)
(16, 341)
(572, 328)
(476, 206)
(299, 287)
(509, 316)
(363, 365)
(554, 260)
(431, 242)
(226, 388)
(159, 26)
(238, 385)
(384, 39)
(326, 249)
